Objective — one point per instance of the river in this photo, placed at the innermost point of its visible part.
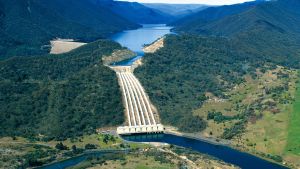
(224, 153)
(135, 40)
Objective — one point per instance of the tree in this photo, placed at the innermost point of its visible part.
(61, 146)
(90, 146)
(106, 138)
(74, 148)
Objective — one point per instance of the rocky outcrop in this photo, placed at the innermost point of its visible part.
(154, 46)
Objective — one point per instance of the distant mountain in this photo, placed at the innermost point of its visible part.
(26, 25)
(280, 16)
(177, 10)
(199, 19)
(136, 12)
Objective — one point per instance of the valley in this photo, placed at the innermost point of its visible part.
(210, 83)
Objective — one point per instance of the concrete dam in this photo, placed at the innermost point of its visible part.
(141, 115)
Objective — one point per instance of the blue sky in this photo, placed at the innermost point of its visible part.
(210, 2)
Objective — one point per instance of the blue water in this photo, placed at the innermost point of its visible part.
(227, 154)
(136, 39)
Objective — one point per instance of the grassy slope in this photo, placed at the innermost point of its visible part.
(293, 144)
(268, 132)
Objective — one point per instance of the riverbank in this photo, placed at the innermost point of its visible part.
(78, 158)
(221, 142)
(153, 47)
(157, 155)
(211, 140)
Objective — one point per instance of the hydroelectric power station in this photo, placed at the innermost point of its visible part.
(142, 116)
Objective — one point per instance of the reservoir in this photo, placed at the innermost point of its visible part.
(136, 39)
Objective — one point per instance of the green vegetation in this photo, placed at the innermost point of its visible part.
(59, 96)
(132, 160)
(194, 22)
(281, 15)
(293, 142)
(189, 66)
(137, 13)
(248, 79)
(24, 155)
(118, 56)
(235, 130)
(18, 152)
(219, 117)
(161, 158)
(24, 33)
(61, 146)
(181, 79)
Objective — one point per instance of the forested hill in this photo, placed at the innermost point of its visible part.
(282, 16)
(188, 66)
(59, 96)
(29, 24)
(177, 10)
(210, 14)
(136, 12)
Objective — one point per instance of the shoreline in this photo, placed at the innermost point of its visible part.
(200, 138)
(221, 143)
(85, 153)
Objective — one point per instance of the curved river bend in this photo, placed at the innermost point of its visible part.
(227, 154)
(135, 40)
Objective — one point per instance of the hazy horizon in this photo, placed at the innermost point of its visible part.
(205, 2)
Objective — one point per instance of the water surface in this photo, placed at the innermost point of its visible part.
(224, 153)
(136, 39)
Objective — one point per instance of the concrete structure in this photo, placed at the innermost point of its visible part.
(141, 117)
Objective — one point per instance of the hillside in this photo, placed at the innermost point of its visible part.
(137, 13)
(281, 16)
(189, 66)
(238, 85)
(28, 25)
(194, 22)
(59, 96)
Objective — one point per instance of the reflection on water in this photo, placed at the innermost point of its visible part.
(227, 154)
(127, 62)
(136, 39)
(73, 161)
(142, 137)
